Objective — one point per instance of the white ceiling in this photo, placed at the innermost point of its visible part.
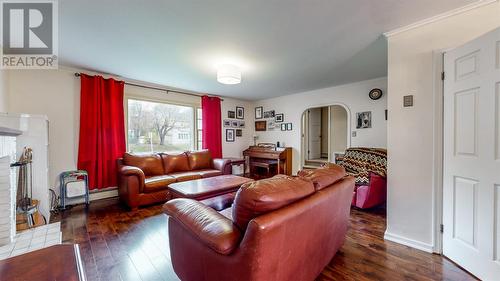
(283, 46)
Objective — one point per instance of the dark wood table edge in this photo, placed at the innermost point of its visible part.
(206, 195)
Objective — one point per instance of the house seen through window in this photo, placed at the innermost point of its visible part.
(160, 127)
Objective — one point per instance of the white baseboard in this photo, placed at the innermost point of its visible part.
(409, 242)
(93, 196)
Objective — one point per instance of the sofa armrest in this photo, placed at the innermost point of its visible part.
(223, 165)
(132, 171)
(130, 184)
(207, 225)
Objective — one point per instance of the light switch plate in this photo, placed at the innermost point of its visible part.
(354, 134)
(408, 101)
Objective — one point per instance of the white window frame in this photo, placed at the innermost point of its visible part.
(194, 131)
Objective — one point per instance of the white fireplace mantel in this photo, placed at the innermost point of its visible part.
(7, 185)
(34, 134)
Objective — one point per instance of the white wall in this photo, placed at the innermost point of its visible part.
(3, 91)
(354, 96)
(235, 149)
(338, 129)
(412, 131)
(56, 93)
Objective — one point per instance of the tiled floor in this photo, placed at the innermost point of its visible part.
(33, 239)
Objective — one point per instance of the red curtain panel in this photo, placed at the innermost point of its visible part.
(102, 129)
(212, 125)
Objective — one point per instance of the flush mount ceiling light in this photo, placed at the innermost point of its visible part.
(228, 74)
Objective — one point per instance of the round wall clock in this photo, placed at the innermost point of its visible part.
(375, 94)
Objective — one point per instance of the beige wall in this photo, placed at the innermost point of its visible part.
(56, 94)
(412, 131)
(3, 91)
(338, 129)
(324, 131)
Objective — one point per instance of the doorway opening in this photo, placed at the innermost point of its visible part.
(325, 134)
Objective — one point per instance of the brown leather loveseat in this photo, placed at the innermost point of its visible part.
(143, 178)
(282, 228)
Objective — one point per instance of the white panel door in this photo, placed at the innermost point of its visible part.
(471, 179)
(314, 133)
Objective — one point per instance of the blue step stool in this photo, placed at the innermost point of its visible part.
(73, 176)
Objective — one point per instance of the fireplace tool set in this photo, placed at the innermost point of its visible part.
(25, 205)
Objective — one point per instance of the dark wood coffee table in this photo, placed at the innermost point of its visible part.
(60, 262)
(207, 188)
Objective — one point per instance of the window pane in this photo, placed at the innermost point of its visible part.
(159, 127)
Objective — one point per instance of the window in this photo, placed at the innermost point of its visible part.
(160, 127)
(199, 127)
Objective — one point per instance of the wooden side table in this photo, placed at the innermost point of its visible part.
(59, 262)
(238, 162)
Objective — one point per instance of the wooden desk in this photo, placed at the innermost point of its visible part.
(238, 162)
(60, 262)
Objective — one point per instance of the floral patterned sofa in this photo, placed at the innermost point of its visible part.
(369, 167)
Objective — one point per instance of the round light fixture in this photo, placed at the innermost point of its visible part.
(228, 74)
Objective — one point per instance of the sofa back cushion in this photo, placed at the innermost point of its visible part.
(175, 163)
(260, 197)
(150, 164)
(324, 176)
(199, 160)
(363, 160)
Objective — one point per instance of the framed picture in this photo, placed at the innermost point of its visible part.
(227, 123)
(364, 120)
(269, 114)
(240, 112)
(229, 135)
(260, 126)
(239, 132)
(279, 118)
(271, 125)
(288, 126)
(258, 112)
(242, 124)
(231, 114)
(235, 124)
(283, 127)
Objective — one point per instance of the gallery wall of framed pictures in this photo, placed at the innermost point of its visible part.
(270, 120)
(234, 123)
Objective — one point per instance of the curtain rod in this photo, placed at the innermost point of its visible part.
(158, 89)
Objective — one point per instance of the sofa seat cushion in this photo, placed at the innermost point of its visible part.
(260, 197)
(186, 176)
(324, 176)
(208, 173)
(150, 164)
(175, 163)
(153, 184)
(199, 160)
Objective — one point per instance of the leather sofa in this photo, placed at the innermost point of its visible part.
(282, 228)
(143, 178)
(369, 167)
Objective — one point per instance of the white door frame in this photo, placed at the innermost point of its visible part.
(438, 150)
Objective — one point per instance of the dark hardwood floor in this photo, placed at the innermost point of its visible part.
(120, 245)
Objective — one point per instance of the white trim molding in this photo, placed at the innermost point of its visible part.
(409, 242)
(440, 17)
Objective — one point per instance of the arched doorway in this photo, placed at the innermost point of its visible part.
(325, 134)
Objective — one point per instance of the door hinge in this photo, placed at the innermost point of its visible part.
(443, 76)
(441, 228)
